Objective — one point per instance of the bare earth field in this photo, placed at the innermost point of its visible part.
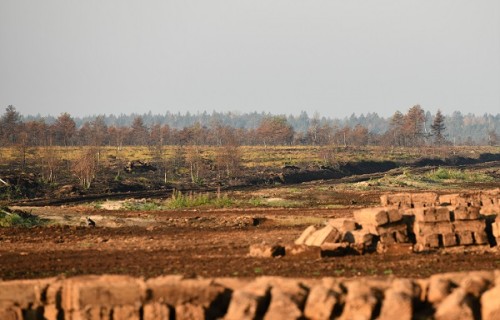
(206, 243)
(194, 263)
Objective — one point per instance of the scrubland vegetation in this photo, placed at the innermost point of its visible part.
(9, 218)
(64, 159)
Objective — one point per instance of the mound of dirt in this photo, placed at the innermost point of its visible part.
(456, 160)
(365, 167)
(297, 175)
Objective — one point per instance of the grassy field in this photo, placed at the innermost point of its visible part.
(271, 156)
(259, 162)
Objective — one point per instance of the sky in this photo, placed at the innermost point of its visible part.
(334, 57)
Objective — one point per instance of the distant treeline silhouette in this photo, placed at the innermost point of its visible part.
(413, 128)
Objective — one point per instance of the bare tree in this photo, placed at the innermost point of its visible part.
(492, 137)
(313, 130)
(117, 136)
(175, 163)
(139, 133)
(85, 167)
(328, 156)
(325, 134)
(156, 149)
(22, 146)
(64, 129)
(275, 131)
(228, 155)
(38, 132)
(396, 127)
(414, 125)
(342, 136)
(229, 158)
(99, 135)
(196, 166)
(50, 163)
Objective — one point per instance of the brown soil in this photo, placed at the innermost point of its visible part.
(215, 243)
(199, 243)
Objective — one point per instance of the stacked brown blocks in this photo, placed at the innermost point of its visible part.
(424, 199)
(318, 237)
(424, 220)
(486, 200)
(436, 227)
(496, 229)
(469, 226)
(490, 202)
(433, 228)
(458, 295)
(327, 234)
(407, 200)
(352, 234)
(397, 200)
(386, 223)
(326, 241)
(450, 219)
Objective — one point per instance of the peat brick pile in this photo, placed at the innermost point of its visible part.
(487, 200)
(385, 223)
(436, 227)
(420, 221)
(462, 295)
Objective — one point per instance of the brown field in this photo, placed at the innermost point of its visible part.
(205, 234)
(202, 243)
(209, 242)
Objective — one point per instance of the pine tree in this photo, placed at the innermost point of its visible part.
(9, 125)
(438, 128)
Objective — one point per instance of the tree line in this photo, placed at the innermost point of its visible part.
(416, 127)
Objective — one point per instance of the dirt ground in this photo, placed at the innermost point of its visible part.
(207, 243)
(215, 242)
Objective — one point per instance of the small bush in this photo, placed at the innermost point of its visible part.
(18, 219)
(10, 192)
(459, 175)
(97, 205)
(180, 200)
(274, 203)
(256, 202)
(141, 206)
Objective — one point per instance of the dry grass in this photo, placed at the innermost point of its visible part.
(294, 221)
(260, 156)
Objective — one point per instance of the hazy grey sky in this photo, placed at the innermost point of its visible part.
(335, 57)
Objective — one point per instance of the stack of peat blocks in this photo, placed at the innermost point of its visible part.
(436, 227)
(407, 200)
(418, 221)
(469, 226)
(386, 223)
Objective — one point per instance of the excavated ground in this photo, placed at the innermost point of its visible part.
(215, 243)
(212, 243)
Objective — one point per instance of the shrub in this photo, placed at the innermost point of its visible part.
(141, 206)
(180, 200)
(18, 219)
(455, 174)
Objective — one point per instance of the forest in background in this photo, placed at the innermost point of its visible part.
(415, 127)
(102, 154)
